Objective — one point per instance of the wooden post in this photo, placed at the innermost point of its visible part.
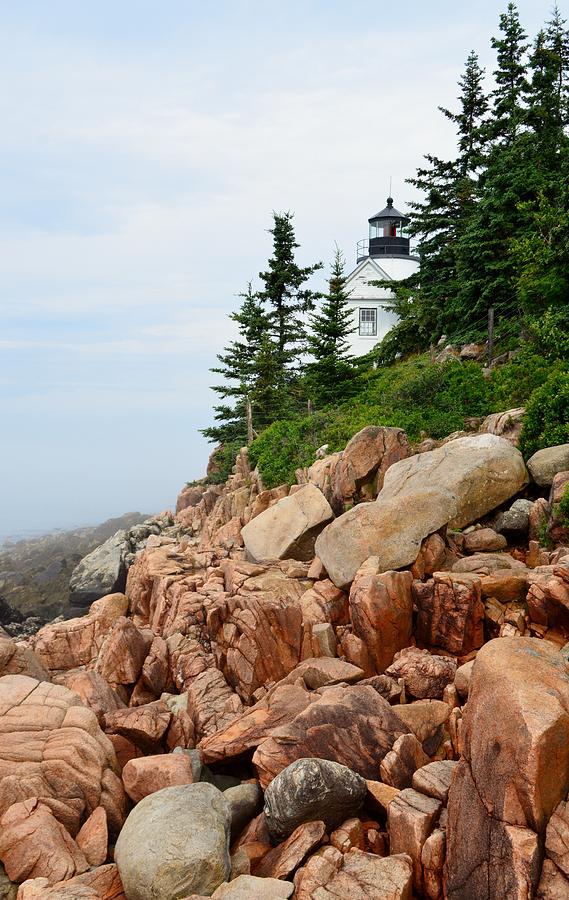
(490, 334)
(310, 407)
(250, 433)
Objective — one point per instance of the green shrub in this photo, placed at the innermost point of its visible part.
(415, 394)
(550, 333)
(225, 457)
(562, 508)
(546, 420)
(285, 446)
(512, 384)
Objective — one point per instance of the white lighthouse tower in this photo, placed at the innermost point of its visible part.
(385, 256)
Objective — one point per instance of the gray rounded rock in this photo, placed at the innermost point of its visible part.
(101, 572)
(175, 843)
(516, 518)
(311, 789)
(245, 801)
(545, 464)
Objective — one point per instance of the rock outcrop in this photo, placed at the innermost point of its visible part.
(386, 720)
(513, 772)
(52, 749)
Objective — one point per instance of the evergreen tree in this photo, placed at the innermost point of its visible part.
(520, 216)
(331, 375)
(485, 267)
(547, 94)
(557, 37)
(470, 118)
(439, 220)
(510, 77)
(271, 398)
(238, 369)
(540, 253)
(286, 295)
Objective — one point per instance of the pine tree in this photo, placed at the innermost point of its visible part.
(510, 76)
(540, 252)
(547, 114)
(286, 295)
(470, 118)
(271, 398)
(557, 37)
(439, 220)
(485, 268)
(238, 369)
(331, 375)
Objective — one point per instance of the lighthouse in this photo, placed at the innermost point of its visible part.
(384, 256)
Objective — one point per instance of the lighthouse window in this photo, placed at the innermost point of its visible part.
(368, 322)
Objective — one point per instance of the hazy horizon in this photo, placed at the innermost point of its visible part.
(144, 147)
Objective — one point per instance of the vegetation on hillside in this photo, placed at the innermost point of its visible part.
(492, 226)
(425, 399)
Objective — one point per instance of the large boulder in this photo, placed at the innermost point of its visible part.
(67, 645)
(558, 526)
(175, 843)
(367, 457)
(320, 731)
(506, 424)
(33, 844)
(514, 769)
(288, 529)
(52, 748)
(381, 611)
(453, 485)
(312, 789)
(545, 464)
(103, 571)
(450, 612)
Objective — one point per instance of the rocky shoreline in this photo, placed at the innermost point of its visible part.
(355, 687)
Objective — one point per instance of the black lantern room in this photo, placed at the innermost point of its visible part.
(386, 235)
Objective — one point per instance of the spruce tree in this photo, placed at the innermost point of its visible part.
(238, 369)
(439, 220)
(470, 119)
(540, 252)
(510, 77)
(331, 376)
(557, 38)
(547, 93)
(271, 398)
(286, 295)
(485, 269)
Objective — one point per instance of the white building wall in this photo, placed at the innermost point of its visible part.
(364, 295)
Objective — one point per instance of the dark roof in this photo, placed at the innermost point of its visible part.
(388, 213)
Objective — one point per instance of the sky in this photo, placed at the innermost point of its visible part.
(143, 147)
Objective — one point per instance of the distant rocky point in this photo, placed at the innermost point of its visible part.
(35, 571)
